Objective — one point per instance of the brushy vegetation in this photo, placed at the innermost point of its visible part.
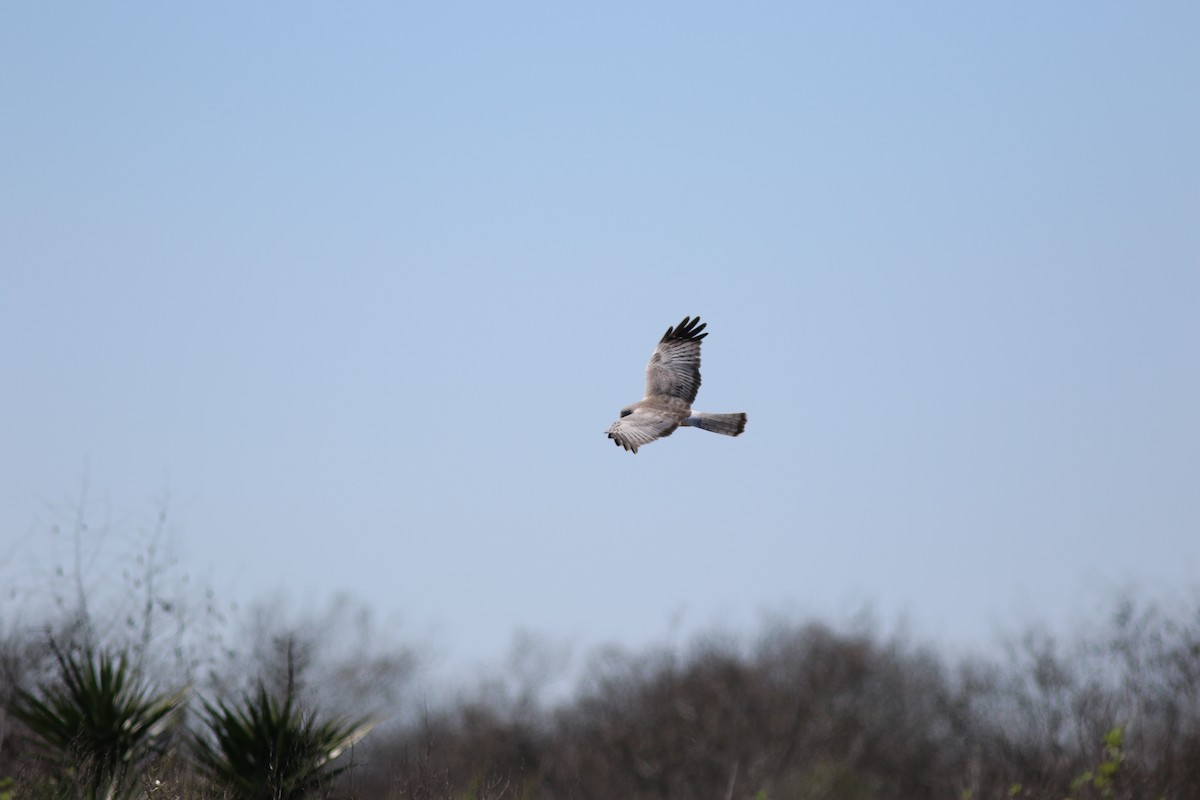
(801, 711)
(261, 749)
(95, 726)
(810, 712)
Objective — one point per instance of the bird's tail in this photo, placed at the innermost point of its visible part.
(728, 424)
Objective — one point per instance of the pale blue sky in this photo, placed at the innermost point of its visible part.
(365, 283)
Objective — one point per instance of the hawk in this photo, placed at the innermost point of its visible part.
(672, 380)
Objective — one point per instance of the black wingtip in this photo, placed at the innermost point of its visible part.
(619, 443)
(686, 331)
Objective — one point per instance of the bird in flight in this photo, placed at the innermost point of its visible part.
(672, 380)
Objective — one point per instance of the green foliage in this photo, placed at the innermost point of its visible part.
(1103, 776)
(97, 722)
(262, 750)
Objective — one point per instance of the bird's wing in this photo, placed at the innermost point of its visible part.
(642, 426)
(674, 369)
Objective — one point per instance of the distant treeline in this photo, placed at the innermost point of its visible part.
(808, 712)
(798, 710)
(802, 711)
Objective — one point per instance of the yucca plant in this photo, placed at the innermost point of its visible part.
(259, 749)
(97, 723)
